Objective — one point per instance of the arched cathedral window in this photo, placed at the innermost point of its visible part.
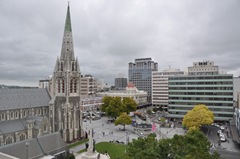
(73, 66)
(63, 86)
(22, 137)
(59, 85)
(71, 85)
(9, 140)
(75, 86)
(2, 116)
(61, 67)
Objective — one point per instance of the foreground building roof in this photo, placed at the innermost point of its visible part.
(38, 147)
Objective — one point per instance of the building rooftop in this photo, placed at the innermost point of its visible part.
(23, 98)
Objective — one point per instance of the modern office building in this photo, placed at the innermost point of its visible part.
(120, 83)
(160, 86)
(212, 89)
(140, 74)
(203, 68)
(236, 87)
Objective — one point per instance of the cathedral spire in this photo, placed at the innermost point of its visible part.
(68, 27)
(67, 53)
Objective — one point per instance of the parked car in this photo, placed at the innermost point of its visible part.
(219, 131)
(222, 128)
(223, 139)
(222, 135)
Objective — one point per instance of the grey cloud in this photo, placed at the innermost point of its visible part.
(110, 34)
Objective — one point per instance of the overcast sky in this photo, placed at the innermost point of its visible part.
(108, 34)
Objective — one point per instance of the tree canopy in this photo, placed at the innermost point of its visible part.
(106, 101)
(198, 116)
(129, 104)
(123, 119)
(193, 145)
(114, 106)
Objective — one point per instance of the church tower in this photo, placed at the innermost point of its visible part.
(65, 89)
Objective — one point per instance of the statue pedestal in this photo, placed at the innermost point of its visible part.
(87, 155)
(94, 155)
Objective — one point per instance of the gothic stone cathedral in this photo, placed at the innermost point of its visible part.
(64, 107)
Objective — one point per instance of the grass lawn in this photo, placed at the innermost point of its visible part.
(77, 143)
(113, 149)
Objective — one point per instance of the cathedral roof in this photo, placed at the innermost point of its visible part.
(11, 126)
(38, 147)
(23, 98)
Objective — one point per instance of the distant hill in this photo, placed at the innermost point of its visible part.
(5, 86)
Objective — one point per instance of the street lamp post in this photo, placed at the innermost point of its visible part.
(127, 139)
(27, 144)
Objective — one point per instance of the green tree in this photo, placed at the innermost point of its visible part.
(129, 104)
(198, 116)
(115, 107)
(106, 101)
(193, 145)
(123, 119)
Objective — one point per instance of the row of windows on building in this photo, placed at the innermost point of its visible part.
(215, 115)
(73, 66)
(201, 83)
(200, 88)
(196, 103)
(16, 114)
(203, 93)
(202, 98)
(199, 77)
(10, 139)
(61, 86)
(212, 109)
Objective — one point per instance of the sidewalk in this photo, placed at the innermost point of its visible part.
(229, 145)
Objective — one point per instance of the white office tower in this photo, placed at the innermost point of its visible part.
(160, 86)
(203, 68)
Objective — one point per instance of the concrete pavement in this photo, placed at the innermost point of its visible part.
(104, 131)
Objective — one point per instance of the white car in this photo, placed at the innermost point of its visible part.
(222, 135)
(223, 139)
(219, 131)
(222, 128)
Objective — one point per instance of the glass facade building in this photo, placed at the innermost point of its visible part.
(214, 91)
(140, 74)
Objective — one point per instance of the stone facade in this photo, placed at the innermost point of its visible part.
(64, 107)
(23, 114)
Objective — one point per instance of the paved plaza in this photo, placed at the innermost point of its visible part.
(104, 131)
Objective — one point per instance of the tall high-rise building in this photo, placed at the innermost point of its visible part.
(64, 108)
(120, 83)
(160, 86)
(140, 74)
(213, 89)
